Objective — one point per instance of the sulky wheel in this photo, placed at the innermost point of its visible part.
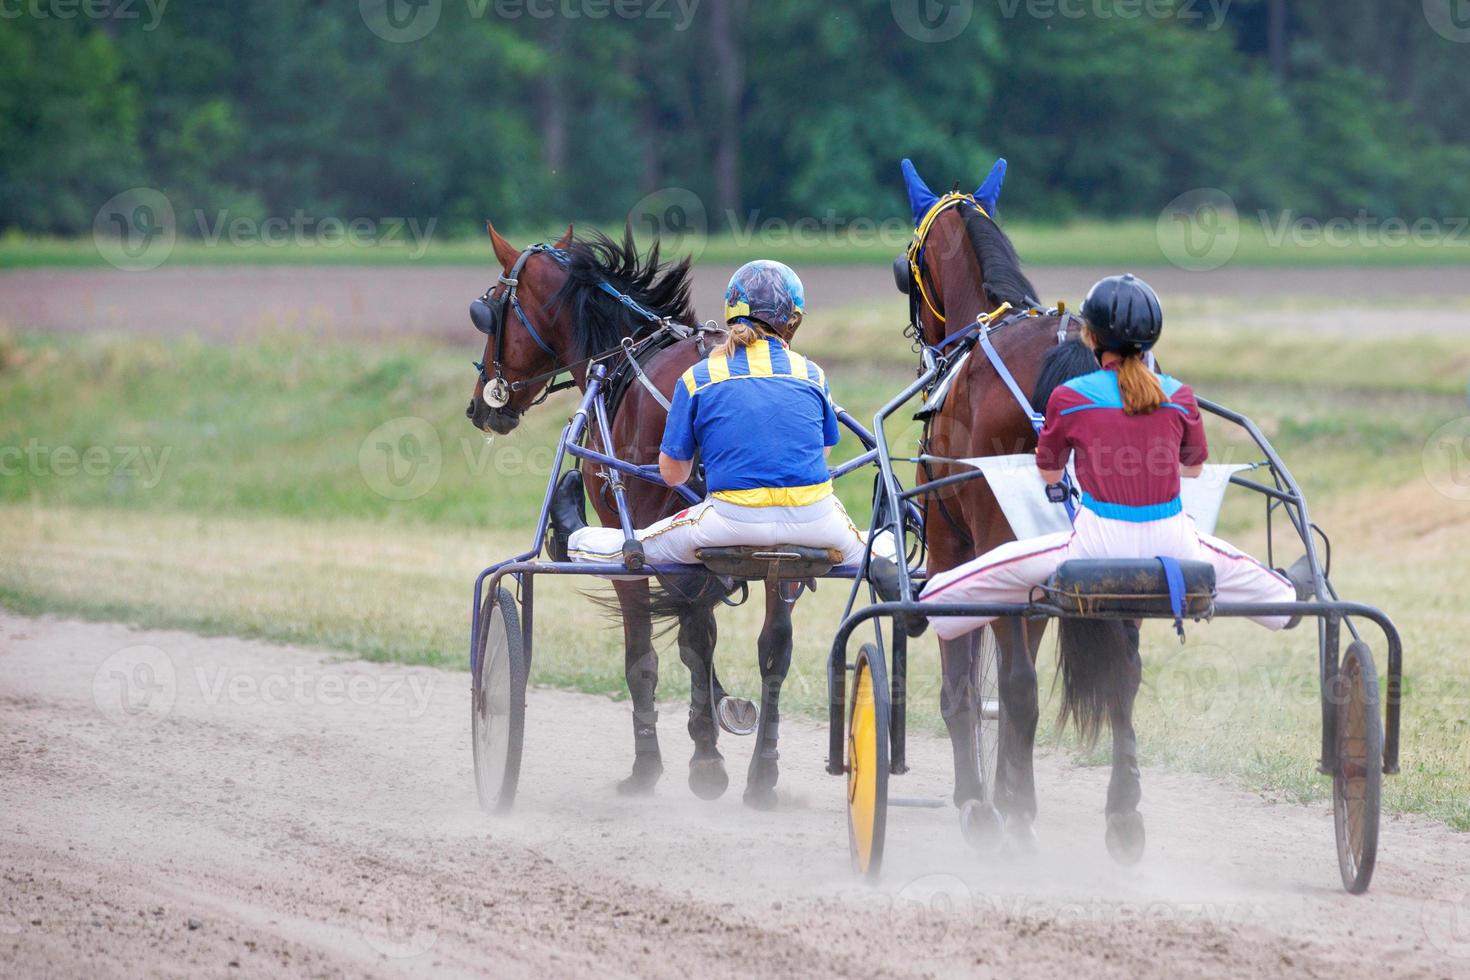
(1357, 780)
(980, 821)
(867, 762)
(988, 714)
(498, 702)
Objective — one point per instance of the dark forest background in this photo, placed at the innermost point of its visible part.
(262, 108)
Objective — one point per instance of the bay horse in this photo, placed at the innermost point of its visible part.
(555, 314)
(966, 267)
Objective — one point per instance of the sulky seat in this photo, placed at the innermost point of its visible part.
(1130, 587)
(773, 561)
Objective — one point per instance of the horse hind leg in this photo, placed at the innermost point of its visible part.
(958, 704)
(774, 650)
(640, 669)
(1125, 834)
(1015, 796)
(707, 776)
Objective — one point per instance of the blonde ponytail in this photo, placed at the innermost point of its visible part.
(1142, 393)
(743, 333)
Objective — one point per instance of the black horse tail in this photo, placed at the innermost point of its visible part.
(1100, 671)
(1062, 363)
(672, 598)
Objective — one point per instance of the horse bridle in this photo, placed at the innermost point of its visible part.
(488, 315)
(914, 256)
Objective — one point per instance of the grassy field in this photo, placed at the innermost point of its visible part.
(267, 491)
(1137, 243)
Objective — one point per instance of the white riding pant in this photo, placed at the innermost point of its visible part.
(720, 524)
(1009, 573)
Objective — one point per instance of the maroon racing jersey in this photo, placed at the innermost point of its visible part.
(1128, 465)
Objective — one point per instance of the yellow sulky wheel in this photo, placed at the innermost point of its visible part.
(867, 762)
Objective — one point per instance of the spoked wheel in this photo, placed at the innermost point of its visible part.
(980, 821)
(867, 762)
(987, 721)
(498, 704)
(1357, 780)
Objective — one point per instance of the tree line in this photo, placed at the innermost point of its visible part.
(529, 111)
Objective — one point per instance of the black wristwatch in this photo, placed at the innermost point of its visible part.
(1056, 493)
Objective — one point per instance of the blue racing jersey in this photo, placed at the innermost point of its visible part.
(761, 418)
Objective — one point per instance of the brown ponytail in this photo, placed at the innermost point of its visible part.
(743, 333)
(1142, 393)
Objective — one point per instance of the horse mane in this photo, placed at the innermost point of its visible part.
(599, 321)
(1001, 266)
(1062, 363)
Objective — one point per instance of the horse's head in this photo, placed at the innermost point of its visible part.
(960, 264)
(526, 337)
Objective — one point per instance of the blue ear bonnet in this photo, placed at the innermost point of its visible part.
(988, 193)
(921, 198)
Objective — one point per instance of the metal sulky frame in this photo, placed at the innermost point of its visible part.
(867, 729)
(502, 620)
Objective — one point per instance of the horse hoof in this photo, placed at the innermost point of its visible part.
(1020, 837)
(707, 777)
(760, 797)
(981, 824)
(737, 715)
(1125, 837)
(645, 775)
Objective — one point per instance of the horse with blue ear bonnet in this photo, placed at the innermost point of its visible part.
(960, 267)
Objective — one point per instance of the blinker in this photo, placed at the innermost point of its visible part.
(485, 317)
(901, 274)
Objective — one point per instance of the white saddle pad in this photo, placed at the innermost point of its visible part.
(1017, 484)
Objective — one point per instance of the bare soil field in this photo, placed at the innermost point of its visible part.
(180, 806)
(222, 303)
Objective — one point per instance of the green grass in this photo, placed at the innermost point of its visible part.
(1135, 243)
(269, 514)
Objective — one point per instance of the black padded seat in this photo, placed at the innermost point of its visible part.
(1130, 587)
(774, 561)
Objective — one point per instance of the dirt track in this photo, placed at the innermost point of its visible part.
(228, 302)
(279, 811)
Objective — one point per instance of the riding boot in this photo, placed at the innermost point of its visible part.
(568, 514)
(1300, 575)
(883, 573)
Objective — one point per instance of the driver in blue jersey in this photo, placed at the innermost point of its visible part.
(761, 418)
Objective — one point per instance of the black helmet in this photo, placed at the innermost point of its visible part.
(1124, 314)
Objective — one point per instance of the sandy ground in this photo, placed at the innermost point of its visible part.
(181, 806)
(227, 302)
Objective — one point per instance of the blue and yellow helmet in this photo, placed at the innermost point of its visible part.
(766, 292)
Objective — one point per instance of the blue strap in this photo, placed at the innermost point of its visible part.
(627, 301)
(513, 281)
(1174, 575)
(515, 304)
(560, 257)
(1038, 420)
